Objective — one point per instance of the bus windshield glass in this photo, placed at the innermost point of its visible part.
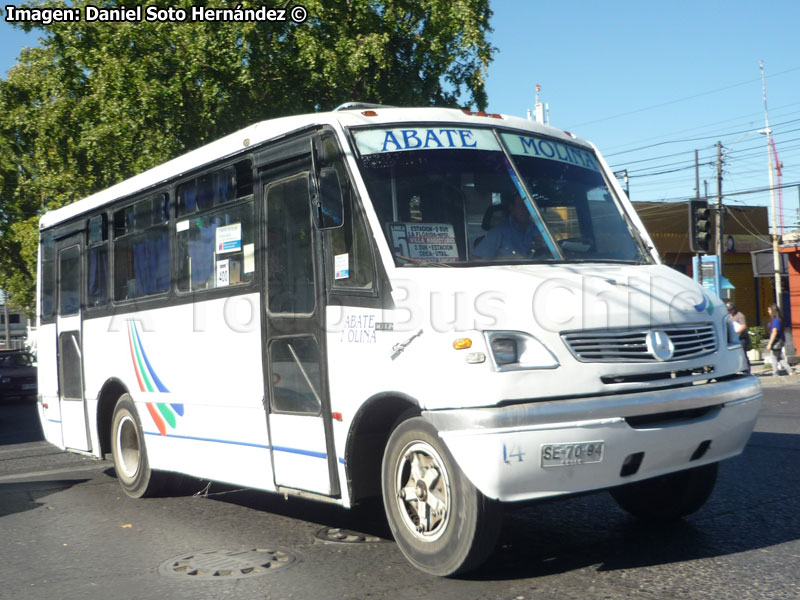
(454, 196)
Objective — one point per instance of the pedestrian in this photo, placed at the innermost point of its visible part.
(740, 327)
(777, 341)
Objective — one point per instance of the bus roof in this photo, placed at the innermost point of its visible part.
(273, 129)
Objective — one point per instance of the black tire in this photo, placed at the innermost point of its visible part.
(459, 526)
(130, 456)
(668, 497)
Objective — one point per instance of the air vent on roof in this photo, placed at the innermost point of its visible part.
(359, 106)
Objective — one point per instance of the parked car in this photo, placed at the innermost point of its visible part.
(17, 375)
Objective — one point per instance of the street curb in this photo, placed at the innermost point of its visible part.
(767, 380)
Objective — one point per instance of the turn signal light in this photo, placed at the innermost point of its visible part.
(462, 344)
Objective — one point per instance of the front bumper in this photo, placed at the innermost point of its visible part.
(499, 448)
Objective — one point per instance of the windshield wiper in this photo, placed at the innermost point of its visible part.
(620, 261)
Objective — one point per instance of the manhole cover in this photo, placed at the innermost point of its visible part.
(345, 536)
(227, 564)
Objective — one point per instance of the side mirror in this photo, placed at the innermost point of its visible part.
(327, 198)
(331, 200)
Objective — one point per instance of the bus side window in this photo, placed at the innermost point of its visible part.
(215, 231)
(141, 249)
(296, 384)
(97, 256)
(350, 266)
(48, 283)
(216, 249)
(290, 258)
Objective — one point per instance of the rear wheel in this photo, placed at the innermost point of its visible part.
(130, 456)
(668, 497)
(440, 521)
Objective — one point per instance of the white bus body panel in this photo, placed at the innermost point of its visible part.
(435, 307)
(47, 369)
(210, 421)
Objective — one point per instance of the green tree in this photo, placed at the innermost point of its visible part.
(98, 102)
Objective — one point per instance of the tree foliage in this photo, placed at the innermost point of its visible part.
(97, 102)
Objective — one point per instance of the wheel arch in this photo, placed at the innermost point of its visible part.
(367, 438)
(110, 393)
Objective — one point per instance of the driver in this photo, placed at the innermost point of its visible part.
(515, 237)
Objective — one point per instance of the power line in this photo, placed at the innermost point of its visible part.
(755, 117)
(692, 97)
(732, 194)
(696, 139)
(669, 170)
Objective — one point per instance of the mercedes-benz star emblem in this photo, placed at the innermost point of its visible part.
(660, 345)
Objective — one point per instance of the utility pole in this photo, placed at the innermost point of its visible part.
(5, 319)
(696, 175)
(776, 256)
(719, 229)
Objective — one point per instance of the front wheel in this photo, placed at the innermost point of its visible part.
(440, 521)
(668, 497)
(130, 456)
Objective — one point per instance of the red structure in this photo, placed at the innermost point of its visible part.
(793, 255)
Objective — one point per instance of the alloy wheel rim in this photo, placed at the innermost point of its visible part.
(423, 491)
(128, 448)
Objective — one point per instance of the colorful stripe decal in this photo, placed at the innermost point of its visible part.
(311, 453)
(163, 414)
(133, 360)
(161, 387)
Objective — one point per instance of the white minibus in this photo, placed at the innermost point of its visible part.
(455, 311)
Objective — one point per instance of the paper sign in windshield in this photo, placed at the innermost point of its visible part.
(431, 242)
(229, 238)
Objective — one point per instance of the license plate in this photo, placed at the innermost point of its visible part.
(28, 386)
(578, 453)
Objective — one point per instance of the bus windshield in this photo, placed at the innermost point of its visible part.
(452, 196)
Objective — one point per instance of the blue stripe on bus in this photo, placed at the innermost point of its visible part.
(251, 444)
(161, 387)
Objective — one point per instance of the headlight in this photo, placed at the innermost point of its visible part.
(505, 351)
(515, 350)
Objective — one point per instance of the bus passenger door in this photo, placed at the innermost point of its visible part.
(74, 427)
(301, 433)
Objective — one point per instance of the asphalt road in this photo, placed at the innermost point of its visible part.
(67, 531)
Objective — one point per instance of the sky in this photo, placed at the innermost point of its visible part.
(649, 83)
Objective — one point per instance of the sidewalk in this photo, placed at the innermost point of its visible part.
(763, 370)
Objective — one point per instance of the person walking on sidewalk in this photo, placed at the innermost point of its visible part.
(777, 341)
(740, 327)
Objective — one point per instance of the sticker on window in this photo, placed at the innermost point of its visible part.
(341, 266)
(431, 242)
(229, 238)
(223, 273)
(249, 258)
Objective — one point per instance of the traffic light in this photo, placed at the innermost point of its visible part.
(699, 226)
